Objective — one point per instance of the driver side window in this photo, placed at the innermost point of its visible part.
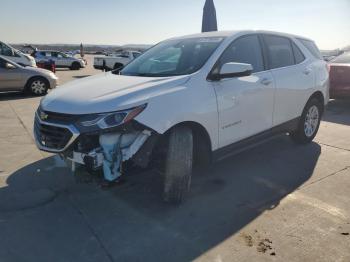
(6, 51)
(246, 50)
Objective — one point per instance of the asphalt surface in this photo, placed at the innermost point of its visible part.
(276, 202)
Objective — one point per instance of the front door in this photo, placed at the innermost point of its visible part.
(245, 104)
(11, 77)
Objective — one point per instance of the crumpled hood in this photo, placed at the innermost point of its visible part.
(108, 92)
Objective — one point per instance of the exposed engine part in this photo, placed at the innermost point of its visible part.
(109, 152)
(119, 147)
(92, 160)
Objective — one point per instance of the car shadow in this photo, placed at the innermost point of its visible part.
(338, 111)
(83, 76)
(7, 96)
(133, 224)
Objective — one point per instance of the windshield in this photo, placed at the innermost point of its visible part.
(173, 57)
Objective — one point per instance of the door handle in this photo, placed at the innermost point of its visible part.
(266, 81)
(307, 71)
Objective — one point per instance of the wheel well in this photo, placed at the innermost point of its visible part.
(118, 65)
(319, 96)
(202, 147)
(26, 87)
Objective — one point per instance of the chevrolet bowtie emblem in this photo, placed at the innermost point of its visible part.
(43, 116)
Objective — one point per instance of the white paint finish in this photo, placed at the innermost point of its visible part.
(294, 88)
(234, 68)
(230, 109)
(245, 106)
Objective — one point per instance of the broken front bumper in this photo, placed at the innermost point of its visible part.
(94, 148)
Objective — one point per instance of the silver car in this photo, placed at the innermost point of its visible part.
(14, 77)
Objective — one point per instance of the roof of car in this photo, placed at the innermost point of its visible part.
(235, 32)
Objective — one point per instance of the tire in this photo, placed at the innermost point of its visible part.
(37, 86)
(309, 122)
(178, 165)
(75, 66)
(117, 66)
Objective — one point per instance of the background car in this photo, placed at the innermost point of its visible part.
(14, 77)
(340, 76)
(16, 56)
(61, 59)
(115, 61)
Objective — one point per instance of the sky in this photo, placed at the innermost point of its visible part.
(150, 21)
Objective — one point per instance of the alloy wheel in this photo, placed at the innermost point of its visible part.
(311, 121)
(38, 87)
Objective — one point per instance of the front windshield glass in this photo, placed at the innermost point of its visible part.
(173, 57)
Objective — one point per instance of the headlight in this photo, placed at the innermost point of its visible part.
(114, 119)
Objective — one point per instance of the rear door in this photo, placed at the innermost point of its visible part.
(293, 75)
(245, 104)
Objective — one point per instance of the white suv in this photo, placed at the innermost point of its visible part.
(186, 101)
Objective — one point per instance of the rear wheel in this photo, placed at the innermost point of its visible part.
(75, 66)
(117, 66)
(178, 165)
(38, 86)
(309, 122)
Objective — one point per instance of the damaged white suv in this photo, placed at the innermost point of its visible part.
(186, 101)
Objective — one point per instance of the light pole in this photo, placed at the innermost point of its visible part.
(209, 17)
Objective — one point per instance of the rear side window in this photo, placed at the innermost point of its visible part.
(311, 46)
(298, 55)
(247, 50)
(279, 51)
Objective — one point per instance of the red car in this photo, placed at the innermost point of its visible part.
(340, 76)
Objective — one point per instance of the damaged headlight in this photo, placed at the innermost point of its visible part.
(113, 119)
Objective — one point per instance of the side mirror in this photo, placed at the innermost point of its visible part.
(9, 66)
(231, 70)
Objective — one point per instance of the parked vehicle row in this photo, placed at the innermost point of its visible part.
(185, 101)
(14, 77)
(340, 76)
(16, 55)
(116, 61)
(61, 59)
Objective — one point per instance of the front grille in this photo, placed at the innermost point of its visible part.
(51, 137)
(58, 117)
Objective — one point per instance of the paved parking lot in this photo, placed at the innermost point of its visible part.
(276, 202)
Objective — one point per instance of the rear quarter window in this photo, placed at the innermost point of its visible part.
(312, 47)
(298, 55)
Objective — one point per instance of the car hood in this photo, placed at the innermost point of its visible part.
(40, 71)
(108, 92)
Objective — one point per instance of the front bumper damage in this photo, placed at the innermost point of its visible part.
(94, 149)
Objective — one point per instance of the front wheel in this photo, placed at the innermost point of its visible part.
(309, 122)
(38, 86)
(178, 166)
(75, 66)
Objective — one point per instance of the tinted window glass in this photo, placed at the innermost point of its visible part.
(311, 46)
(342, 59)
(298, 55)
(279, 51)
(6, 51)
(244, 50)
(174, 57)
